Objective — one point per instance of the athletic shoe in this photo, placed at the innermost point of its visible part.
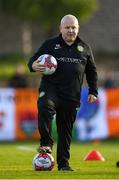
(44, 149)
(66, 168)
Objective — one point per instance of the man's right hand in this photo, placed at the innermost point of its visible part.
(38, 67)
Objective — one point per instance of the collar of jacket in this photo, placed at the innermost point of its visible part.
(62, 42)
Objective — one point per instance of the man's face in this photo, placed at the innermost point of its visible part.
(69, 29)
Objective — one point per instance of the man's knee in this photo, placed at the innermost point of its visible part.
(47, 103)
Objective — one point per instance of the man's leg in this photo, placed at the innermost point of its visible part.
(46, 110)
(66, 114)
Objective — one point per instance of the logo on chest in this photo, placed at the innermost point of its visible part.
(57, 46)
(80, 48)
(69, 60)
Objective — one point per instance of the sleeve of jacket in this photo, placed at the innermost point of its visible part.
(42, 50)
(91, 73)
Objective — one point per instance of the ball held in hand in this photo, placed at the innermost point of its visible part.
(49, 63)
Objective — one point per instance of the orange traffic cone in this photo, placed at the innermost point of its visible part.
(94, 155)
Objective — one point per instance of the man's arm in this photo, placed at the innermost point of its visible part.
(33, 62)
(91, 77)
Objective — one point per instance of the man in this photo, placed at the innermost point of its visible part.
(18, 80)
(60, 92)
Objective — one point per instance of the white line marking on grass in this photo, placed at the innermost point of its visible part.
(25, 148)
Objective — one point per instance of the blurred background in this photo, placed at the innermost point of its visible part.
(25, 24)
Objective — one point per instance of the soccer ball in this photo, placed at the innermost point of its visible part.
(43, 162)
(49, 62)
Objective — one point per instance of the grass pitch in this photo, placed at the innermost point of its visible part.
(16, 161)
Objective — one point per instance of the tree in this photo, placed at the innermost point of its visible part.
(47, 13)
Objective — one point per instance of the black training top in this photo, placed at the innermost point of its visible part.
(73, 62)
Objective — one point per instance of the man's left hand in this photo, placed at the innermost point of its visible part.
(91, 98)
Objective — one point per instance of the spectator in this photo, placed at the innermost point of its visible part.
(109, 81)
(18, 80)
